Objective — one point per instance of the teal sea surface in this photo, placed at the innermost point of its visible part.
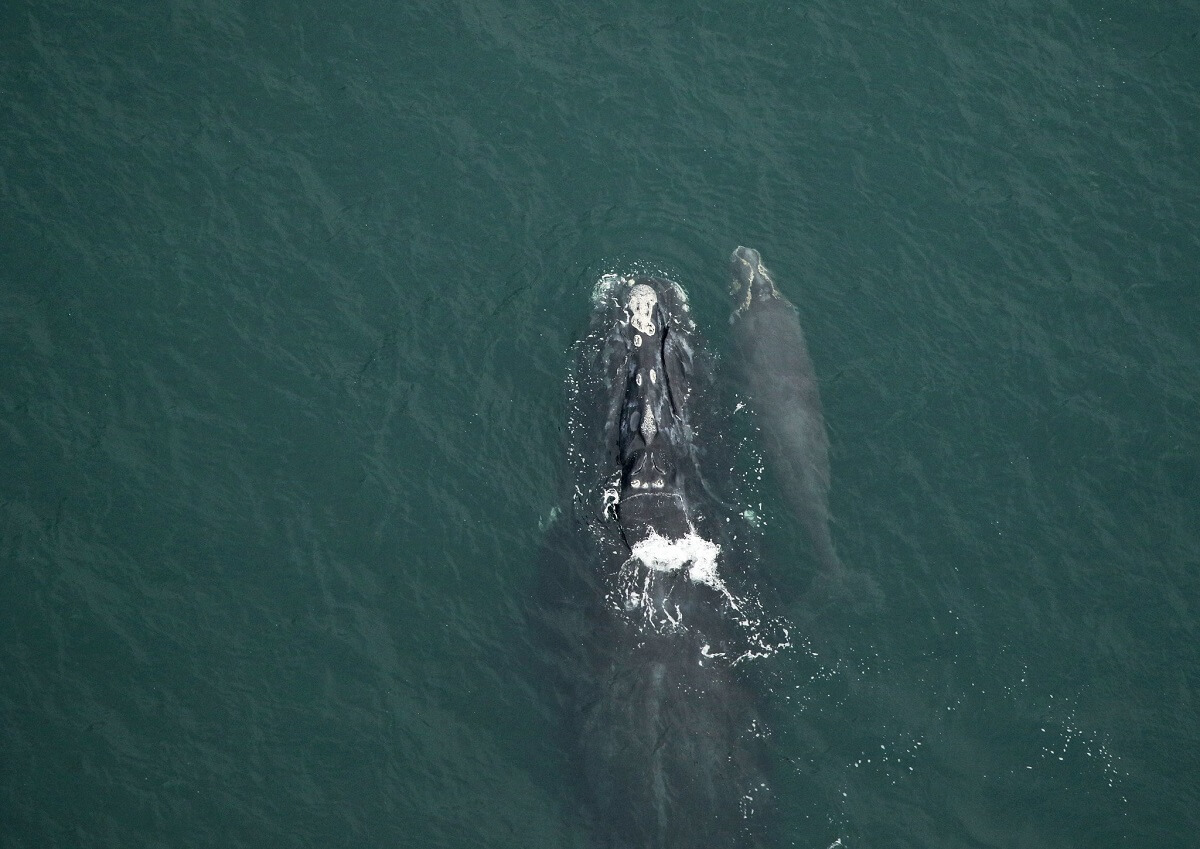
(287, 299)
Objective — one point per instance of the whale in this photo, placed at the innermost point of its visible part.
(651, 618)
(776, 374)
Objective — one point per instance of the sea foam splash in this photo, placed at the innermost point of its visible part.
(697, 557)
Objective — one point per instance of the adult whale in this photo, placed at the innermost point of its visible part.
(777, 375)
(651, 623)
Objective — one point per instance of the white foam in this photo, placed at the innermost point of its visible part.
(606, 287)
(661, 554)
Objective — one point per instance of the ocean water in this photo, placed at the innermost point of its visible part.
(287, 294)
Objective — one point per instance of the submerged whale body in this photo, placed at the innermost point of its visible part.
(777, 375)
(652, 625)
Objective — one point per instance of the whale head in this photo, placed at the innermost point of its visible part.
(648, 374)
(750, 279)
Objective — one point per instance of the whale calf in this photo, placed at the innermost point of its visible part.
(653, 625)
(777, 374)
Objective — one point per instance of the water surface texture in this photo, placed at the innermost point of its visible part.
(287, 296)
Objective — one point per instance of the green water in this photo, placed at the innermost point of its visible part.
(286, 298)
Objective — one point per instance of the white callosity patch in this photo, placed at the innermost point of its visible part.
(649, 426)
(610, 285)
(642, 301)
(609, 501)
